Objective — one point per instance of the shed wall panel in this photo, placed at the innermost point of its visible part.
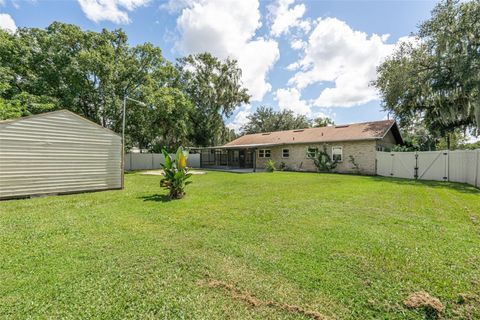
(57, 152)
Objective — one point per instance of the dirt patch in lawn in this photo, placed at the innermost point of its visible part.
(236, 293)
(255, 302)
(465, 298)
(468, 306)
(160, 172)
(425, 301)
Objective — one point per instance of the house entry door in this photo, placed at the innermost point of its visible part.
(241, 158)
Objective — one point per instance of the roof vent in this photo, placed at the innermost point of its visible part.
(300, 130)
(342, 126)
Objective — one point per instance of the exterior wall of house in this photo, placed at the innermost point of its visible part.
(364, 153)
(387, 142)
(58, 152)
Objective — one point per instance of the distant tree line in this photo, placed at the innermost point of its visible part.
(90, 73)
(266, 119)
(432, 83)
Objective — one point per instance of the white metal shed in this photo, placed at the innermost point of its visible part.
(56, 153)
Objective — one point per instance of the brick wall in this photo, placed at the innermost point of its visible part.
(363, 152)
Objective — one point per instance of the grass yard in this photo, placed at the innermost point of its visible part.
(244, 246)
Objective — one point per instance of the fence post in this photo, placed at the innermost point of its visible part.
(392, 155)
(415, 170)
(448, 165)
(477, 164)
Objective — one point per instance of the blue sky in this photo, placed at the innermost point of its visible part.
(313, 57)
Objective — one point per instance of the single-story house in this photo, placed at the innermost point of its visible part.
(354, 146)
(57, 153)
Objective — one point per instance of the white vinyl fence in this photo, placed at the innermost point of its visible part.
(457, 166)
(151, 161)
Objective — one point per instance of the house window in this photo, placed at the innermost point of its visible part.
(312, 152)
(285, 153)
(264, 153)
(337, 154)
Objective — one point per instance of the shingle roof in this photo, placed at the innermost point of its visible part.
(356, 131)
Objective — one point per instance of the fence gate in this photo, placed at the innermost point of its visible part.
(396, 164)
(457, 166)
(433, 165)
(404, 167)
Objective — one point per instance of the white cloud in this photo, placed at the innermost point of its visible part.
(297, 44)
(336, 53)
(241, 118)
(290, 99)
(175, 6)
(7, 23)
(115, 11)
(284, 18)
(227, 29)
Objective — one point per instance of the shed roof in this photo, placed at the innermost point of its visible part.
(373, 130)
(50, 113)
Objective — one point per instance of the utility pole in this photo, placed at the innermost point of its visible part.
(125, 98)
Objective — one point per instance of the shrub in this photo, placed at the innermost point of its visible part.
(270, 165)
(355, 166)
(323, 162)
(175, 173)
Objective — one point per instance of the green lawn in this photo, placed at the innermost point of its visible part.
(347, 247)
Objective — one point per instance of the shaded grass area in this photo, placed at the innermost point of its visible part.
(345, 247)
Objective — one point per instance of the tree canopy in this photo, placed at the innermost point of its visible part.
(435, 79)
(322, 122)
(215, 88)
(90, 73)
(265, 119)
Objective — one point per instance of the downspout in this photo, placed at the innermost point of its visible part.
(255, 160)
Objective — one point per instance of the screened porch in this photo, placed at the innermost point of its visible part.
(227, 158)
